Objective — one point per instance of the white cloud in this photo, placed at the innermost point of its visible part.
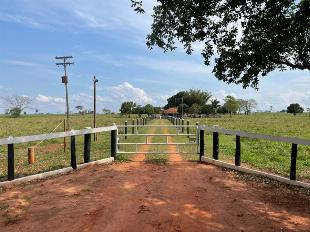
(127, 92)
(292, 96)
(48, 99)
(112, 98)
(221, 94)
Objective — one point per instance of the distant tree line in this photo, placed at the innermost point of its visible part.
(195, 102)
(201, 102)
(130, 107)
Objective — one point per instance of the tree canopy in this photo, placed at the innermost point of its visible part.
(130, 107)
(231, 104)
(246, 39)
(246, 105)
(295, 108)
(127, 107)
(16, 104)
(189, 97)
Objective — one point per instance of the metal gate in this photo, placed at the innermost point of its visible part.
(179, 136)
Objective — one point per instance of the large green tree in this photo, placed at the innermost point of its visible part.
(295, 108)
(127, 107)
(246, 39)
(190, 97)
(231, 104)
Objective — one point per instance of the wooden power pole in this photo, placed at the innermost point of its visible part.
(64, 80)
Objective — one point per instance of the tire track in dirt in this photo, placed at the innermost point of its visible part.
(172, 148)
(139, 157)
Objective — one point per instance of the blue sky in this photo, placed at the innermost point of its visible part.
(107, 39)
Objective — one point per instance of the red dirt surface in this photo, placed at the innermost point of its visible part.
(139, 196)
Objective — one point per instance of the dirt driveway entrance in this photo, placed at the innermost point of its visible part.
(139, 196)
(142, 196)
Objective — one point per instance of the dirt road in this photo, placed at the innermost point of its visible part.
(140, 196)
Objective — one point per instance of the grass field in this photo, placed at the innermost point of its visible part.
(263, 155)
(50, 154)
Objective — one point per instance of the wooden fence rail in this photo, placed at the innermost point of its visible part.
(216, 130)
(73, 133)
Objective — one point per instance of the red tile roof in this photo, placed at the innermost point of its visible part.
(172, 110)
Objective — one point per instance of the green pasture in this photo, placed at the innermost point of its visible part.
(50, 154)
(263, 155)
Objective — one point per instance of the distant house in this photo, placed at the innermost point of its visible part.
(173, 111)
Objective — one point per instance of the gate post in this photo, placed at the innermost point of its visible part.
(188, 128)
(87, 144)
(293, 162)
(215, 145)
(73, 153)
(201, 143)
(113, 143)
(133, 127)
(11, 165)
(238, 151)
(125, 129)
(182, 125)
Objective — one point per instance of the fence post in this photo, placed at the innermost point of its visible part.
(73, 153)
(215, 145)
(238, 151)
(113, 143)
(11, 162)
(87, 144)
(65, 142)
(293, 162)
(188, 128)
(125, 129)
(133, 127)
(202, 144)
(182, 125)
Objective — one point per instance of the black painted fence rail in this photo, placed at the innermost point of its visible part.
(72, 134)
(215, 130)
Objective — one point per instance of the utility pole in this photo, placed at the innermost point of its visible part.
(95, 81)
(64, 79)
